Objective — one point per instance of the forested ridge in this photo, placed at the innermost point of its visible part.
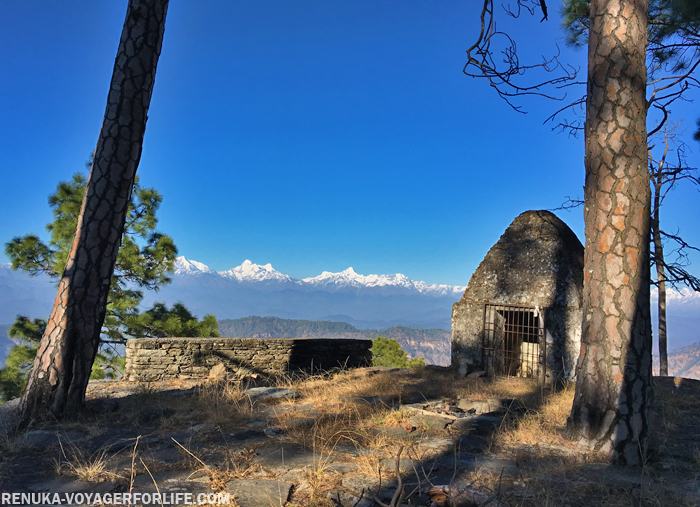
(5, 343)
(683, 362)
(432, 344)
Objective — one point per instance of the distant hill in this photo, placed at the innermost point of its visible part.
(683, 362)
(5, 344)
(432, 344)
(368, 301)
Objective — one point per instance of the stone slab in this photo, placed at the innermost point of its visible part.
(115, 440)
(286, 456)
(62, 485)
(259, 492)
(358, 483)
(405, 464)
(271, 393)
(341, 498)
(396, 432)
(489, 405)
(430, 422)
(472, 443)
(39, 439)
(484, 425)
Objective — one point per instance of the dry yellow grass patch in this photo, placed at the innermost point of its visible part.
(86, 467)
(223, 403)
(542, 424)
(529, 391)
(343, 421)
(320, 480)
(351, 425)
(329, 388)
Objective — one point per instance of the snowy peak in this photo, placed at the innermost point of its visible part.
(348, 279)
(250, 272)
(185, 266)
(348, 276)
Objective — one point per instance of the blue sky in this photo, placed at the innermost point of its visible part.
(313, 135)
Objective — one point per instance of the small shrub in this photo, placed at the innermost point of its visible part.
(388, 352)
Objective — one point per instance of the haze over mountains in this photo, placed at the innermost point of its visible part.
(250, 289)
(268, 277)
(372, 301)
(376, 302)
(431, 344)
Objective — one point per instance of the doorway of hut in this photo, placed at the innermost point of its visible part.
(514, 342)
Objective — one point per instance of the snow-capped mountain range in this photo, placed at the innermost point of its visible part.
(365, 301)
(250, 273)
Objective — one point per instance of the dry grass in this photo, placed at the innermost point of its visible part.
(330, 388)
(238, 465)
(542, 424)
(345, 420)
(75, 462)
(223, 403)
(528, 391)
(11, 445)
(565, 485)
(331, 429)
(369, 463)
(320, 480)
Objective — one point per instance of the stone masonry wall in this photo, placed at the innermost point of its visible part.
(537, 262)
(149, 359)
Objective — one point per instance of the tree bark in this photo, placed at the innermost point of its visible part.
(61, 370)
(613, 376)
(660, 274)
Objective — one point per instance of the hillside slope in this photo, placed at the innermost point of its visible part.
(684, 362)
(432, 344)
(5, 344)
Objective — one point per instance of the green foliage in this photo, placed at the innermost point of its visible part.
(575, 21)
(667, 20)
(144, 260)
(178, 321)
(108, 363)
(673, 28)
(13, 377)
(388, 352)
(26, 330)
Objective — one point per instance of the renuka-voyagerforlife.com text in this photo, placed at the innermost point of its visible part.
(178, 498)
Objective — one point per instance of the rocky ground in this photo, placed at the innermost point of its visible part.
(276, 445)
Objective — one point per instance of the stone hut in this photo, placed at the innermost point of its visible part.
(521, 312)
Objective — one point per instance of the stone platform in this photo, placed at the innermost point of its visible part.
(149, 359)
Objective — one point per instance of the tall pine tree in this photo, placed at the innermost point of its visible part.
(61, 370)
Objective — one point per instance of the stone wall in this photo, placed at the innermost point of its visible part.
(149, 359)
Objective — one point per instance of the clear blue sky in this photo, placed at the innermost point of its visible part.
(313, 135)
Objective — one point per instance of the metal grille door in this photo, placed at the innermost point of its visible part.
(513, 341)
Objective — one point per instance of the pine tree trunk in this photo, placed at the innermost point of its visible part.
(613, 375)
(61, 370)
(660, 276)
